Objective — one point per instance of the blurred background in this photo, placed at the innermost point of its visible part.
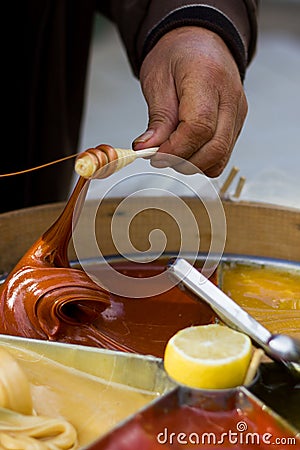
(268, 150)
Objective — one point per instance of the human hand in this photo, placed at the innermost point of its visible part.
(196, 102)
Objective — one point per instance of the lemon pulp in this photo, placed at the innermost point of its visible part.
(208, 356)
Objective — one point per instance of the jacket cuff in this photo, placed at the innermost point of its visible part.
(230, 22)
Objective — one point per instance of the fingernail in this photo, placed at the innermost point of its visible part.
(144, 137)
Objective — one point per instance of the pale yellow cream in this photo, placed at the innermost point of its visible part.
(70, 400)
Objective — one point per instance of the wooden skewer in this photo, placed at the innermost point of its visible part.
(91, 161)
(253, 366)
(229, 180)
(239, 187)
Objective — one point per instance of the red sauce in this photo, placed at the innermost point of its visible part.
(146, 324)
(173, 424)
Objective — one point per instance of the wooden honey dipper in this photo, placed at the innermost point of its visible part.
(103, 160)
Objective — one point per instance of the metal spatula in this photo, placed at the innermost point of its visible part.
(279, 347)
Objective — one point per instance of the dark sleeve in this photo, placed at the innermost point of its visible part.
(142, 23)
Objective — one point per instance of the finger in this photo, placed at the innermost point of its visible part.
(197, 123)
(215, 154)
(163, 116)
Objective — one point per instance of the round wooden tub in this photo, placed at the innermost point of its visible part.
(252, 229)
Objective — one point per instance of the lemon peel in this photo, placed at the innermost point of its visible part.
(208, 357)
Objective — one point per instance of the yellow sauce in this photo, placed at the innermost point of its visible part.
(271, 295)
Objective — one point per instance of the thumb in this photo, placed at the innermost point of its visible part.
(163, 120)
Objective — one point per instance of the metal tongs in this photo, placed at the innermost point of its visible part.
(279, 347)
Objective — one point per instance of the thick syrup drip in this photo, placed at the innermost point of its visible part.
(44, 298)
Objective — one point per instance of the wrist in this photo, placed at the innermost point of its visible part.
(204, 18)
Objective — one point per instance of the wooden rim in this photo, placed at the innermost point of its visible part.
(252, 229)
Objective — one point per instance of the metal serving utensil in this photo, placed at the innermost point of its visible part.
(279, 347)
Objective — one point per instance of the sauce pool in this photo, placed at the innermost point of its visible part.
(173, 425)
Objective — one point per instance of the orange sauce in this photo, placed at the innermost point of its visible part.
(270, 294)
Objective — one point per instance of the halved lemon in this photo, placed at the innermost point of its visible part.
(208, 357)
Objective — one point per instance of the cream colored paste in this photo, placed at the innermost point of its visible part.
(64, 400)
